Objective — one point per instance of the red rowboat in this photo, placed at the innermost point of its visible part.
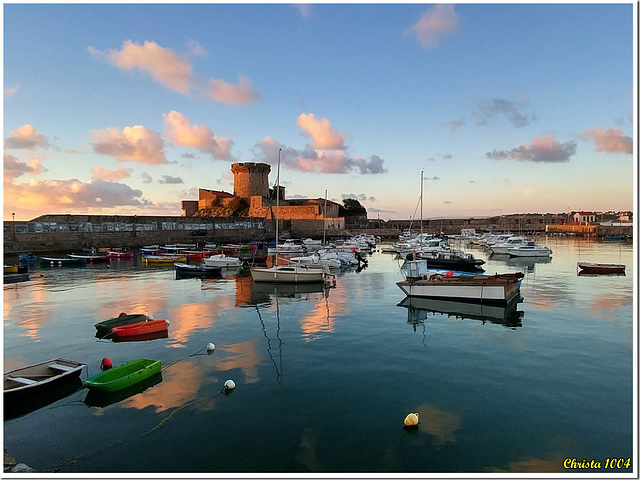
(586, 267)
(140, 328)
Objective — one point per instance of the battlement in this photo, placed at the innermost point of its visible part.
(250, 179)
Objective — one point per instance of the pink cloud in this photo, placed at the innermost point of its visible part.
(11, 90)
(99, 173)
(323, 135)
(163, 64)
(133, 144)
(240, 94)
(14, 168)
(611, 140)
(179, 130)
(26, 137)
(433, 24)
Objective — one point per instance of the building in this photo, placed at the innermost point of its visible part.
(252, 197)
(584, 218)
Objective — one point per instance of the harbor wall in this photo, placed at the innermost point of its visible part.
(67, 233)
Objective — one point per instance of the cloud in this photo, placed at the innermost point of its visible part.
(133, 144)
(240, 94)
(26, 137)
(179, 130)
(304, 9)
(99, 173)
(195, 49)
(146, 178)
(500, 107)
(611, 140)
(14, 168)
(11, 90)
(73, 194)
(311, 160)
(455, 124)
(163, 64)
(170, 180)
(361, 197)
(542, 149)
(433, 24)
(322, 134)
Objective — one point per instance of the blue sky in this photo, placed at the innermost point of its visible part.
(507, 108)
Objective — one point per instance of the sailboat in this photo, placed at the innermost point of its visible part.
(293, 273)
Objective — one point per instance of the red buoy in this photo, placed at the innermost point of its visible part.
(106, 364)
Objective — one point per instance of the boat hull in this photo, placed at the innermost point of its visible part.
(123, 376)
(495, 289)
(288, 274)
(197, 270)
(106, 325)
(140, 328)
(601, 268)
(222, 261)
(34, 379)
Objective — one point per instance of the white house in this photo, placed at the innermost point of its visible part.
(584, 218)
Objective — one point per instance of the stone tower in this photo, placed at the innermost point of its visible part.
(250, 179)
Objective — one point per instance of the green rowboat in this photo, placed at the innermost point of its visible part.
(123, 319)
(124, 375)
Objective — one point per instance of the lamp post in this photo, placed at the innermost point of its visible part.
(13, 224)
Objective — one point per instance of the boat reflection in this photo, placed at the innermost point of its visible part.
(420, 308)
(261, 292)
(142, 338)
(100, 399)
(15, 409)
(527, 262)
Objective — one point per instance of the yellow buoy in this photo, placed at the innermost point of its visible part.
(412, 420)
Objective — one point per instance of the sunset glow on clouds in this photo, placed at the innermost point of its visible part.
(133, 144)
(435, 23)
(178, 129)
(178, 105)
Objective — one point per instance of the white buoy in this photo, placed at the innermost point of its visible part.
(229, 385)
(210, 347)
(150, 317)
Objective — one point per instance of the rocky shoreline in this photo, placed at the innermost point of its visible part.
(11, 466)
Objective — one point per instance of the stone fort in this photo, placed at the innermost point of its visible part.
(251, 193)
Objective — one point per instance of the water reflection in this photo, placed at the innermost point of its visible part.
(104, 399)
(420, 308)
(43, 399)
(262, 293)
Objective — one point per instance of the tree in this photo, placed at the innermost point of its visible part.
(352, 208)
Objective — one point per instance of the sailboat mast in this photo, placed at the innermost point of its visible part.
(421, 184)
(324, 221)
(277, 204)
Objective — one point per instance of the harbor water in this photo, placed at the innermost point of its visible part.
(324, 379)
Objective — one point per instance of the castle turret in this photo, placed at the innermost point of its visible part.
(251, 179)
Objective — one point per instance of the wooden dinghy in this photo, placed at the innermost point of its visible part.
(34, 379)
(140, 328)
(123, 319)
(123, 376)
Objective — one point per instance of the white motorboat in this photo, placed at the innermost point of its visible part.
(529, 248)
(500, 248)
(491, 289)
(222, 260)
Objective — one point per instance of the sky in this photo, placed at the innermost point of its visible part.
(499, 108)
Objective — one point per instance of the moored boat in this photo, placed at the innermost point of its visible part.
(119, 255)
(27, 258)
(122, 319)
(197, 270)
(528, 248)
(166, 259)
(601, 268)
(61, 262)
(140, 328)
(222, 260)
(89, 258)
(16, 277)
(123, 376)
(491, 289)
(33, 379)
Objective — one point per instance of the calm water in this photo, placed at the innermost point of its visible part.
(324, 381)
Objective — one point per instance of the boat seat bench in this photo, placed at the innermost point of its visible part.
(24, 381)
(62, 368)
